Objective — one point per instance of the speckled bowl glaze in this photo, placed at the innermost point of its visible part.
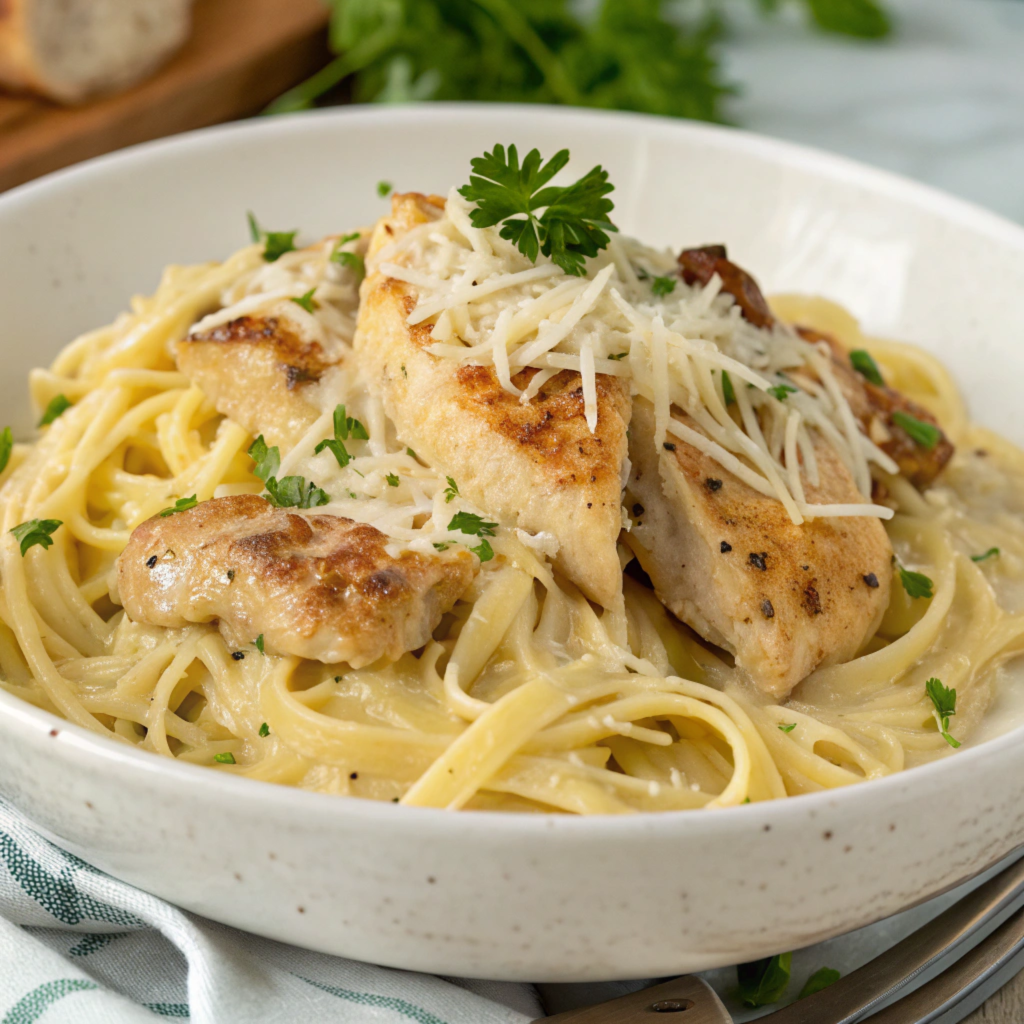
(503, 896)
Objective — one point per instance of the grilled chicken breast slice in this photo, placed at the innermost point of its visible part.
(728, 561)
(535, 466)
(260, 371)
(317, 586)
(873, 405)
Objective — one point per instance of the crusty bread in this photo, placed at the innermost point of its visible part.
(71, 50)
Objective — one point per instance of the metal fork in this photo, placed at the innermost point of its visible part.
(983, 932)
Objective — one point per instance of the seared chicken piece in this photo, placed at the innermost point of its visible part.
(535, 466)
(872, 405)
(317, 586)
(729, 562)
(260, 371)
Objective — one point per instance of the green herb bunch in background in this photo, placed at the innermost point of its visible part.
(654, 56)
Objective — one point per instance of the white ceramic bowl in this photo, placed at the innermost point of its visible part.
(491, 895)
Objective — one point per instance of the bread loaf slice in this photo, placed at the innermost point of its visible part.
(72, 50)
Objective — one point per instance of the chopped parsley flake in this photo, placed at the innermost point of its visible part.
(306, 301)
(991, 553)
(483, 551)
(295, 492)
(227, 758)
(384, 188)
(789, 727)
(781, 391)
(861, 361)
(440, 547)
(925, 434)
(57, 405)
(6, 447)
(344, 427)
(727, 389)
(469, 522)
(821, 978)
(944, 700)
(258, 644)
(410, 453)
(619, 355)
(268, 460)
(764, 981)
(451, 491)
(35, 531)
(574, 224)
(181, 505)
(275, 243)
(264, 730)
(661, 286)
(392, 479)
(916, 584)
(352, 260)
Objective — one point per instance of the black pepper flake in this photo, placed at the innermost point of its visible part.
(871, 580)
(151, 561)
(758, 560)
(767, 610)
(231, 574)
(353, 775)
(238, 655)
(590, 504)
(668, 446)
(712, 484)
(726, 547)
(638, 509)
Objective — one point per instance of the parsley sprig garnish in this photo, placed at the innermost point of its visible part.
(661, 286)
(306, 301)
(181, 505)
(352, 260)
(55, 407)
(944, 700)
(925, 434)
(574, 223)
(451, 491)
(345, 426)
(6, 447)
(289, 492)
(476, 526)
(275, 243)
(916, 584)
(36, 531)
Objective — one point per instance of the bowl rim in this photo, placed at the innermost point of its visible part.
(46, 726)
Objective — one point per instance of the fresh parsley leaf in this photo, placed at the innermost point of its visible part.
(451, 491)
(227, 758)
(268, 460)
(780, 391)
(35, 531)
(727, 389)
(275, 243)
(306, 301)
(440, 547)
(6, 447)
(352, 260)
(57, 405)
(469, 522)
(258, 644)
(944, 700)
(384, 188)
(991, 553)
(764, 981)
(392, 479)
(663, 286)
(483, 551)
(346, 426)
(861, 361)
(916, 584)
(788, 727)
(295, 492)
(336, 446)
(821, 978)
(925, 434)
(264, 730)
(574, 223)
(181, 505)
(619, 355)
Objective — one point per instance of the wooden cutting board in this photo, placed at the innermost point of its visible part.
(241, 54)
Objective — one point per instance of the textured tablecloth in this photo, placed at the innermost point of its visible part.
(944, 102)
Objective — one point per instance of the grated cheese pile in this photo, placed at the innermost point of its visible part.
(491, 306)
